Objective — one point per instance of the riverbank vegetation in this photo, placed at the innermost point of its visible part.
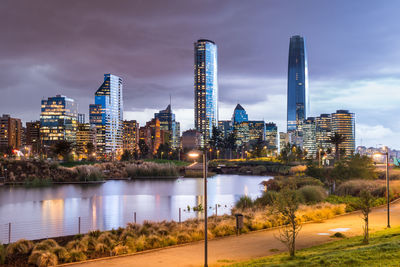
(383, 249)
(150, 235)
(152, 169)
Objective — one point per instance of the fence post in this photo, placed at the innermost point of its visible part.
(79, 225)
(134, 216)
(180, 215)
(9, 233)
(216, 209)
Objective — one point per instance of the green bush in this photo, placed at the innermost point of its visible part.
(267, 198)
(244, 202)
(313, 193)
(76, 255)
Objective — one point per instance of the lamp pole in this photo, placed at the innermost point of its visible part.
(387, 189)
(205, 208)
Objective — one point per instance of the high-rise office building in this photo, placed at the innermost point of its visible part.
(205, 87)
(256, 130)
(297, 90)
(107, 116)
(10, 133)
(58, 120)
(151, 135)
(343, 122)
(309, 137)
(226, 127)
(271, 137)
(239, 115)
(85, 135)
(283, 140)
(323, 125)
(131, 135)
(168, 123)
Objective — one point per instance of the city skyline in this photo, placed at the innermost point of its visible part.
(343, 73)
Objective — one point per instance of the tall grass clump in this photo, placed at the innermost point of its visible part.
(313, 193)
(151, 169)
(43, 258)
(20, 248)
(88, 173)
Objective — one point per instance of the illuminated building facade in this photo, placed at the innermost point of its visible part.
(107, 116)
(283, 140)
(168, 124)
(239, 115)
(271, 136)
(256, 130)
(33, 135)
(58, 120)
(297, 91)
(10, 133)
(226, 127)
(151, 135)
(130, 138)
(343, 122)
(86, 134)
(205, 87)
(309, 137)
(323, 125)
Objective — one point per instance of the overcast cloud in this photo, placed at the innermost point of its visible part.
(65, 47)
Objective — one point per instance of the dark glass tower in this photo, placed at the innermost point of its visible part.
(297, 92)
(205, 87)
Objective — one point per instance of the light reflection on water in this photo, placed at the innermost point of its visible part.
(54, 211)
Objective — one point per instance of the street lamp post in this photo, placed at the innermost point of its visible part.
(196, 155)
(387, 185)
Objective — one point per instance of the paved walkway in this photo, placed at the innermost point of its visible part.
(253, 245)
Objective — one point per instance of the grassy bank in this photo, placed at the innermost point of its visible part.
(383, 250)
(178, 163)
(150, 235)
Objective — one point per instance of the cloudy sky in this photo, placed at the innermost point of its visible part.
(65, 47)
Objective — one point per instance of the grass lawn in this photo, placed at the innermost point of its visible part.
(382, 250)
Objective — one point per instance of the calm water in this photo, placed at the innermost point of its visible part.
(55, 211)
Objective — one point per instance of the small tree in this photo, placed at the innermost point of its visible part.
(364, 204)
(63, 148)
(286, 205)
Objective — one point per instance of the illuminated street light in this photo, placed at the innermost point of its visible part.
(196, 154)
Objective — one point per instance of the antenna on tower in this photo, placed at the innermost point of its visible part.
(170, 99)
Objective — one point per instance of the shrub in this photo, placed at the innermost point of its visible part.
(259, 170)
(119, 250)
(46, 258)
(313, 193)
(45, 245)
(76, 255)
(140, 243)
(183, 238)
(61, 253)
(102, 248)
(267, 199)
(244, 202)
(107, 239)
(151, 169)
(21, 247)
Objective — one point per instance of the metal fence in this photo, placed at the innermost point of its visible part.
(49, 228)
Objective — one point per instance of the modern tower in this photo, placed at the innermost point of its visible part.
(205, 87)
(168, 123)
(106, 115)
(58, 120)
(343, 122)
(239, 115)
(297, 91)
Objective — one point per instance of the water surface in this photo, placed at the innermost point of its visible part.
(55, 211)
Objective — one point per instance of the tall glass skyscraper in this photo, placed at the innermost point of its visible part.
(168, 123)
(239, 115)
(297, 91)
(205, 87)
(107, 115)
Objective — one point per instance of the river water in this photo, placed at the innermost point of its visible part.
(68, 209)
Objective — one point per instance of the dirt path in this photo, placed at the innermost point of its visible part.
(252, 245)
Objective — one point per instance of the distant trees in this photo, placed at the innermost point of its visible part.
(144, 149)
(290, 153)
(62, 148)
(337, 139)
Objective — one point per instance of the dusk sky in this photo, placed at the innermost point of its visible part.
(65, 47)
